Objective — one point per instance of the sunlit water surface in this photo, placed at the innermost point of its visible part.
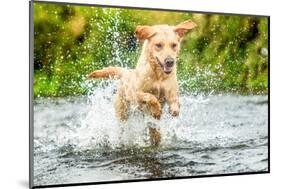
(79, 139)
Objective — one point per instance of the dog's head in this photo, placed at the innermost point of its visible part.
(164, 42)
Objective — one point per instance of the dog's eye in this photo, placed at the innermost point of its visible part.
(174, 45)
(158, 45)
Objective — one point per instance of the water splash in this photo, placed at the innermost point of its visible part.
(90, 122)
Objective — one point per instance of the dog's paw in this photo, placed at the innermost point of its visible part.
(174, 110)
(156, 110)
(174, 113)
(156, 115)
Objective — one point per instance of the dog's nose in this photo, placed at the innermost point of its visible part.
(169, 62)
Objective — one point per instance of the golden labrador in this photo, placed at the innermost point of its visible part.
(153, 82)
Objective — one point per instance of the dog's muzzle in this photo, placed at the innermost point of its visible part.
(167, 67)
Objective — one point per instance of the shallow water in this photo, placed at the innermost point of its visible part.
(79, 139)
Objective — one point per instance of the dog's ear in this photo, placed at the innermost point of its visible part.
(184, 27)
(144, 32)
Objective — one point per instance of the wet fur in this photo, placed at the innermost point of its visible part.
(148, 86)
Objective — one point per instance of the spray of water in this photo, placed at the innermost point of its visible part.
(102, 124)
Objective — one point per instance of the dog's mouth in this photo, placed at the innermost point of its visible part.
(166, 69)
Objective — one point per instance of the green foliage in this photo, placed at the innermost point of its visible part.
(223, 54)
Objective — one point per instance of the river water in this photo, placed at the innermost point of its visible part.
(78, 139)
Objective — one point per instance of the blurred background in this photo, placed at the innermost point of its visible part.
(224, 54)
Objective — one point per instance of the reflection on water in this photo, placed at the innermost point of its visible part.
(79, 139)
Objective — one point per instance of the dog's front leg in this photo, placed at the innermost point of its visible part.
(173, 102)
(152, 102)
